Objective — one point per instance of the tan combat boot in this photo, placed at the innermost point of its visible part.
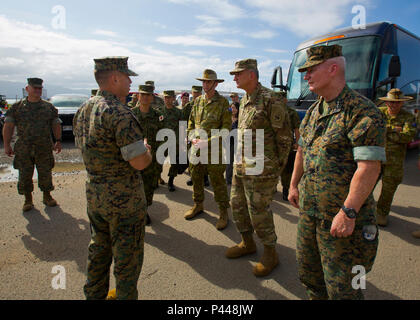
(28, 205)
(48, 200)
(246, 246)
(198, 208)
(382, 220)
(223, 219)
(268, 262)
(416, 234)
(112, 295)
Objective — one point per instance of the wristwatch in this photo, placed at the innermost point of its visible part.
(350, 212)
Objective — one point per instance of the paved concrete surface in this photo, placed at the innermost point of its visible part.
(185, 259)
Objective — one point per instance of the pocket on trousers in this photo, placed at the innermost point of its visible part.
(368, 245)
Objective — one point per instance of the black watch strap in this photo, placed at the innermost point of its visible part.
(350, 212)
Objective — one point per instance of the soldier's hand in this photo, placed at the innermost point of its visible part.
(57, 147)
(342, 226)
(294, 197)
(148, 146)
(201, 144)
(8, 150)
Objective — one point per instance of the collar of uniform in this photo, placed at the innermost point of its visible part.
(335, 105)
(215, 97)
(107, 94)
(251, 98)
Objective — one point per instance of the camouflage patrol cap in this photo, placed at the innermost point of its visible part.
(246, 64)
(320, 54)
(395, 95)
(196, 89)
(35, 82)
(146, 89)
(209, 75)
(113, 64)
(150, 83)
(93, 92)
(169, 93)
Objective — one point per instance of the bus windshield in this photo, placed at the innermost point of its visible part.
(361, 54)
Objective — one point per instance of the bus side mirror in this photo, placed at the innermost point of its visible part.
(394, 69)
(278, 74)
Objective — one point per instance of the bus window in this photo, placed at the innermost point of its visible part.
(409, 52)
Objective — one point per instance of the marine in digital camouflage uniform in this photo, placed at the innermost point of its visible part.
(157, 102)
(151, 122)
(252, 193)
(416, 234)
(210, 111)
(133, 101)
(172, 117)
(111, 141)
(338, 161)
(400, 130)
(34, 119)
(286, 174)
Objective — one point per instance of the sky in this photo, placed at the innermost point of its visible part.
(169, 41)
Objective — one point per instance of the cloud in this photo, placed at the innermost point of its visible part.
(67, 62)
(304, 17)
(198, 41)
(220, 8)
(105, 33)
(276, 51)
(263, 34)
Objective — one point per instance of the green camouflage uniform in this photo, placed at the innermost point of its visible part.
(186, 110)
(334, 136)
(172, 118)
(396, 147)
(151, 123)
(34, 145)
(251, 195)
(109, 135)
(157, 103)
(286, 175)
(206, 115)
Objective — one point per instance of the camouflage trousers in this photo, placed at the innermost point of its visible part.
(217, 180)
(286, 174)
(325, 263)
(117, 231)
(150, 177)
(392, 176)
(250, 199)
(27, 156)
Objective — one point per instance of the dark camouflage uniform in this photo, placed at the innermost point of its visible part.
(157, 103)
(396, 147)
(207, 115)
(251, 195)
(109, 135)
(151, 123)
(34, 145)
(172, 117)
(334, 137)
(286, 174)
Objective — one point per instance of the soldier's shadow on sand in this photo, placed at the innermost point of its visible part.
(209, 262)
(401, 228)
(56, 236)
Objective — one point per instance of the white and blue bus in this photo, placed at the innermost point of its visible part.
(378, 58)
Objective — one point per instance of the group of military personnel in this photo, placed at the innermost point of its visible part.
(335, 156)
